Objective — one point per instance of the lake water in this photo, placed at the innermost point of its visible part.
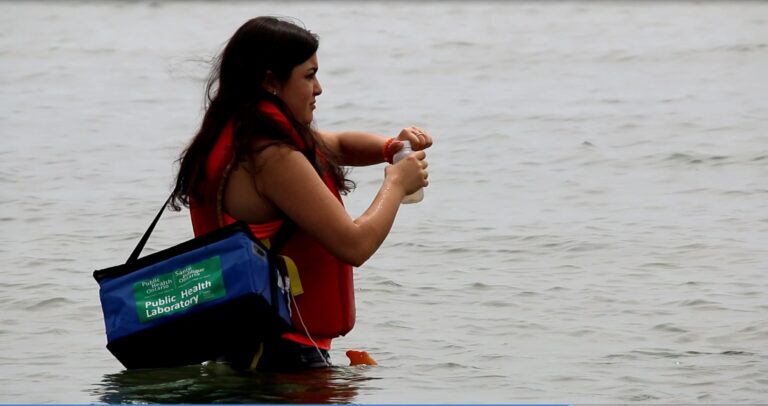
(595, 230)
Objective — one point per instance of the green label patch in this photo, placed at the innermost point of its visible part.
(179, 290)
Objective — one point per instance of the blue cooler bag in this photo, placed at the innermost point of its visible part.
(214, 296)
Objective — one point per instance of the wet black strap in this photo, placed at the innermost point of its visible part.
(140, 246)
(283, 234)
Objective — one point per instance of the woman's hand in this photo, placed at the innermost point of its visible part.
(410, 173)
(419, 138)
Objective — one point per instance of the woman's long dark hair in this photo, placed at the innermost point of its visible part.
(233, 93)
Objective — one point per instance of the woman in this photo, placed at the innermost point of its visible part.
(257, 159)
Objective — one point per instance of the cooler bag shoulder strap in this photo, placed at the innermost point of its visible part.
(140, 246)
(283, 234)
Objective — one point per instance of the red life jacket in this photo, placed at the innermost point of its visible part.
(327, 304)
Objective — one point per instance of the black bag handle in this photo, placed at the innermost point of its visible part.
(281, 238)
(143, 241)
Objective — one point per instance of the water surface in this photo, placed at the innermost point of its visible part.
(595, 229)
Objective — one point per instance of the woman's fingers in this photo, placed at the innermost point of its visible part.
(418, 137)
(423, 138)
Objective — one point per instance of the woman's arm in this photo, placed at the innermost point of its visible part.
(357, 148)
(290, 182)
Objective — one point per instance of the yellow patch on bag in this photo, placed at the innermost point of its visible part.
(293, 276)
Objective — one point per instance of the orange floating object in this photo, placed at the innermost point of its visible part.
(360, 358)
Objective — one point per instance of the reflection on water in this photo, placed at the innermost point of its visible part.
(217, 383)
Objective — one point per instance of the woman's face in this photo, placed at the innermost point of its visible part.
(301, 89)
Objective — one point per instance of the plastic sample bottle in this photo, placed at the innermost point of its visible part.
(418, 195)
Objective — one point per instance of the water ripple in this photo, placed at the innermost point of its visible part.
(51, 303)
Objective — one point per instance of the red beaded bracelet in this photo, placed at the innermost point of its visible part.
(385, 153)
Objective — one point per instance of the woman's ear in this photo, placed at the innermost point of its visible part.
(270, 83)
